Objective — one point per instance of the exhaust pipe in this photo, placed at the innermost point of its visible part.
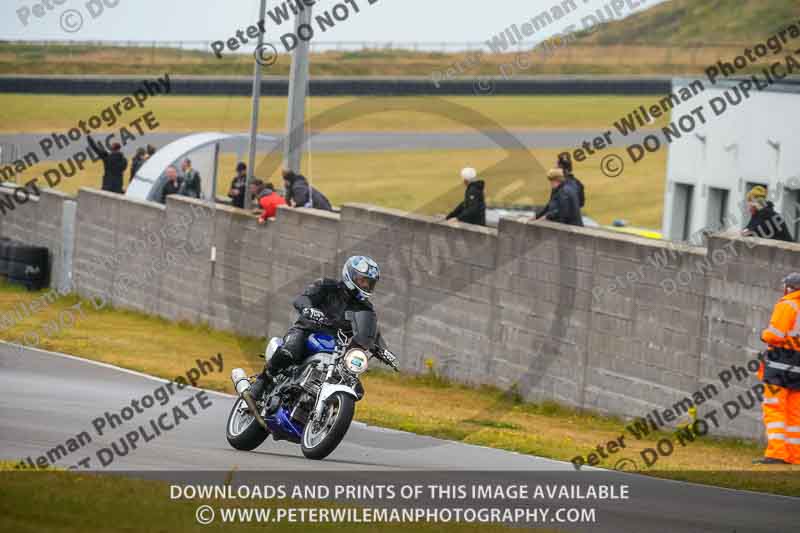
(240, 380)
(242, 384)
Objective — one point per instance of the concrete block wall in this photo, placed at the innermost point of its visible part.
(38, 222)
(542, 283)
(598, 320)
(435, 290)
(643, 345)
(185, 253)
(742, 291)
(238, 280)
(117, 249)
(388, 236)
(304, 248)
(49, 229)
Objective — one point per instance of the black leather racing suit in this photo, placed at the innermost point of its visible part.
(331, 297)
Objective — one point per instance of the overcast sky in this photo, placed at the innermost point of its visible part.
(207, 20)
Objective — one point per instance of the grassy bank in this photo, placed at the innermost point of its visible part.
(640, 55)
(430, 406)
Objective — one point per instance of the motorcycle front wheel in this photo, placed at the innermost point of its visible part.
(321, 437)
(243, 430)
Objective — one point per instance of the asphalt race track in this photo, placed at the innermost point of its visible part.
(353, 142)
(46, 399)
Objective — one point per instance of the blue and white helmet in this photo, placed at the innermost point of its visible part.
(360, 274)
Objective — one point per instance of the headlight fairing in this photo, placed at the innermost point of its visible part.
(356, 361)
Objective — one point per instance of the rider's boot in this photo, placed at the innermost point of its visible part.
(262, 382)
(254, 393)
(265, 381)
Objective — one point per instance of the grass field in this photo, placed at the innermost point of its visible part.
(400, 179)
(431, 406)
(26, 113)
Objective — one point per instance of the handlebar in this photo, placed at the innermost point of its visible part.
(387, 358)
(383, 354)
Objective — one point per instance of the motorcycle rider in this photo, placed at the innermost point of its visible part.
(322, 308)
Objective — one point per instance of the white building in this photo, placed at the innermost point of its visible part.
(711, 168)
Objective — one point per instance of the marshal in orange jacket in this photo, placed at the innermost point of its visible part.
(780, 371)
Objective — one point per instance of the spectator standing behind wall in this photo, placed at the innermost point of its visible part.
(191, 185)
(268, 200)
(238, 184)
(564, 205)
(172, 185)
(473, 209)
(300, 194)
(138, 160)
(765, 222)
(565, 163)
(114, 165)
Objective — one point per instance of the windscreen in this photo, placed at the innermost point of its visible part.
(365, 328)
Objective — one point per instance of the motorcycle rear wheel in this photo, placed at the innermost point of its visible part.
(321, 438)
(243, 430)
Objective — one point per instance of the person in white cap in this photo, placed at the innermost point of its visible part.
(473, 209)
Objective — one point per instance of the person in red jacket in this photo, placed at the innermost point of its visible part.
(267, 199)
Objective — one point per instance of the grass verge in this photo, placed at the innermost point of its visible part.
(431, 405)
(65, 502)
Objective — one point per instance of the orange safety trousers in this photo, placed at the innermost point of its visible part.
(781, 408)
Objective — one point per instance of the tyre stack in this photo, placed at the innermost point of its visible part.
(25, 265)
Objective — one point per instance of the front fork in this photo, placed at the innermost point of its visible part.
(326, 391)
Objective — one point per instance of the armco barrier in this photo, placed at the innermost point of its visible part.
(577, 315)
(243, 86)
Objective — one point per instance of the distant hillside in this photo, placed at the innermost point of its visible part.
(685, 22)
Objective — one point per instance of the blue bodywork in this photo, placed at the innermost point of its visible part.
(281, 424)
(283, 427)
(320, 342)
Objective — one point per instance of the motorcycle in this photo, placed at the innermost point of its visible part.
(311, 404)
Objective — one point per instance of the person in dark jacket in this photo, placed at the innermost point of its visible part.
(564, 205)
(172, 185)
(565, 163)
(322, 308)
(191, 185)
(137, 161)
(765, 222)
(238, 186)
(298, 191)
(114, 165)
(473, 209)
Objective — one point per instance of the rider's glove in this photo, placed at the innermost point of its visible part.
(315, 315)
(389, 358)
